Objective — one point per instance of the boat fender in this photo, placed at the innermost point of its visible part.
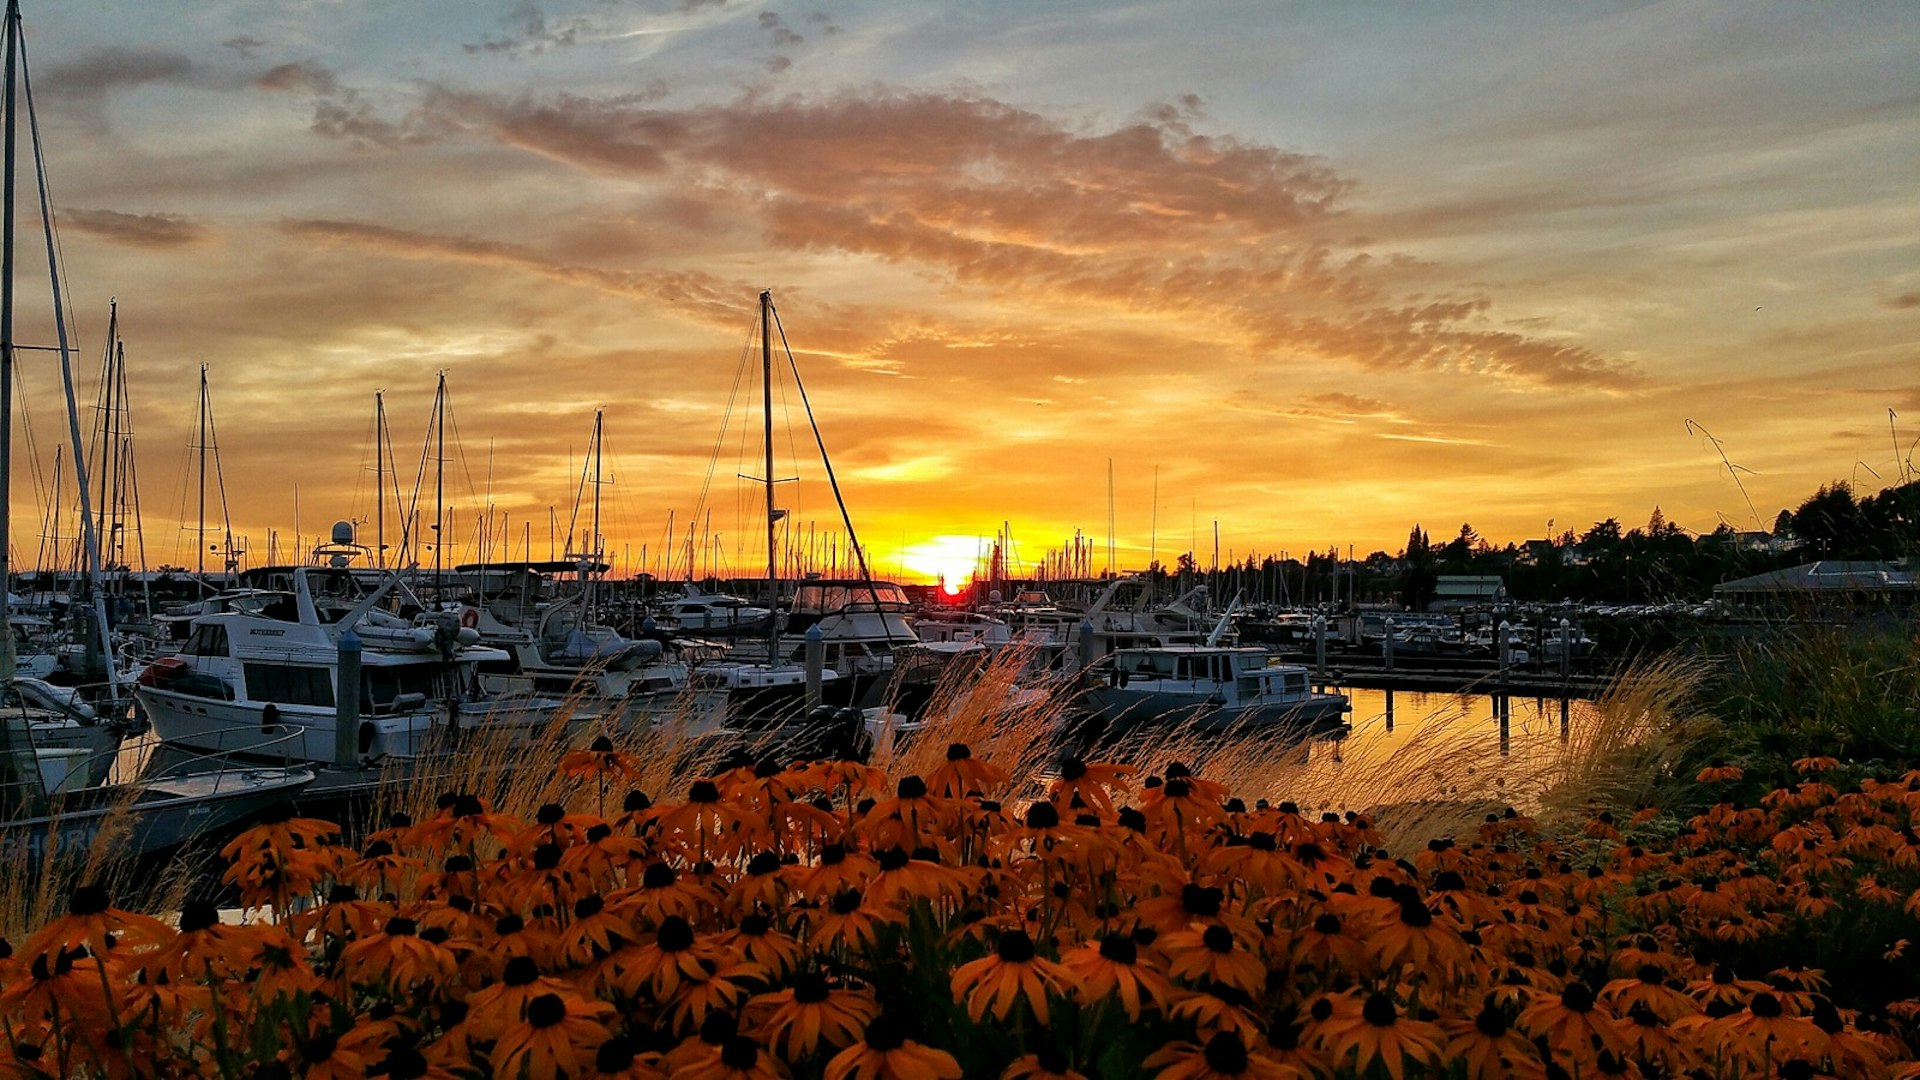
(469, 618)
(269, 716)
(163, 672)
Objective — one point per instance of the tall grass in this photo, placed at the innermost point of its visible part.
(1435, 775)
(1806, 690)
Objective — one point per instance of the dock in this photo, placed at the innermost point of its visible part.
(1517, 682)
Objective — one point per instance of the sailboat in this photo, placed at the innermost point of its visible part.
(46, 792)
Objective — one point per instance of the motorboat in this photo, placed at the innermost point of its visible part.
(1213, 688)
(270, 664)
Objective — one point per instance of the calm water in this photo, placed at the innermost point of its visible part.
(1404, 747)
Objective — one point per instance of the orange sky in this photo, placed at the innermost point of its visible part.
(1331, 270)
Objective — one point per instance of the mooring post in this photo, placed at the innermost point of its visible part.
(816, 664)
(1506, 650)
(1320, 647)
(1566, 650)
(346, 702)
(1386, 644)
(1086, 656)
(1389, 708)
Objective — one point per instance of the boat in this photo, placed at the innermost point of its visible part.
(270, 663)
(1213, 688)
(696, 611)
(550, 647)
(46, 807)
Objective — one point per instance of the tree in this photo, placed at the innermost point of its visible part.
(1830, 520)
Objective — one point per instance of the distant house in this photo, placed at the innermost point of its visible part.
(1452, 592)
(1830, 583)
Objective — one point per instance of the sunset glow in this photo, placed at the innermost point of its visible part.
(1307, 274)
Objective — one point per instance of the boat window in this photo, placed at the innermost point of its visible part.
(208, 639)
(1294, 682)
(382, 686)
(289, 684)
(1161, 664)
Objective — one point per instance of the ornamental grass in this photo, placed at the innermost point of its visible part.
(827, 919)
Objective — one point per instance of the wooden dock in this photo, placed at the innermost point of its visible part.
(1517, 682)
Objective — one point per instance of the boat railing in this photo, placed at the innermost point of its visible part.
(135, 767)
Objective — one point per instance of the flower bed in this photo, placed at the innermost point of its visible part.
(817, 921)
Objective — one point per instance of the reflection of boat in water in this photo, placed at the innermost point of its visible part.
(45, 805)
(1212, 688)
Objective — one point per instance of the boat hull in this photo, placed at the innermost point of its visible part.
(167, 813)
(297, 733)
(1122, 708)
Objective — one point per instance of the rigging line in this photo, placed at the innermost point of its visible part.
(853, 540)
(726, 418)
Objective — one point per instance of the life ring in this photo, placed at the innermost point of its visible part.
(469, 618)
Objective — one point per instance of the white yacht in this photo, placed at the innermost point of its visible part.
(714, 614)
(269, 666)
(1213, 687)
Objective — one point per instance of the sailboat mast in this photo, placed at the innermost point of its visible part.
(439, 471)
(6, 348)
(380, 479)
(202, 563)
(766, 409)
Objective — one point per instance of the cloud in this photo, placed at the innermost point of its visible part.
(157, 231)
(528, 32)
(84, 84)
(1905, 301)
(1150, 218)
(245, 44)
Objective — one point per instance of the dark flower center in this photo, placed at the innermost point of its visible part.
(1180, 789)
(658, 876)
(400, 926)
(1200, 902)
(509, 924)
(546, 1010)
(588, 906)
(521, 971)
(88, 900)
(912, 787)
(958, 751)
(550, 814)
(846, 902)
(740, 1052)
(893, 859)
(675, 934)
(1491, 1022)
(755, 925)
(810, 988)
(1119, 949)
(1072, 769)
(1577, 997)
(198, 915)
(1380, 1011)
(319, 1049)
(703, 791)
(1015, 947)
(886, 1033)
(615, 1055)
(1765, 1005)
(1218, 938)
(1225, 1053)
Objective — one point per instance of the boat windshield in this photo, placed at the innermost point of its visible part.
(820, 599)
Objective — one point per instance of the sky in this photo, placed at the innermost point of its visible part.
(1312, 272)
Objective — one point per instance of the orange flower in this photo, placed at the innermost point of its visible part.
(812, 1013)
(1224, 1055)
(1212, 955)
(962, 773)
(1719, 772)
(1012, 972)
(91, 919)
(1490, 1048)
(1378, 1031)
(1570, 1024)
(558, 1038)
(885, 1053)
(1113, 966)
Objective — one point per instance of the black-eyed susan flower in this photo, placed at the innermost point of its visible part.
(885, 1053)
(1012, 973)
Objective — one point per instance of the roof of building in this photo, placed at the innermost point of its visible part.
(1827, 576)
